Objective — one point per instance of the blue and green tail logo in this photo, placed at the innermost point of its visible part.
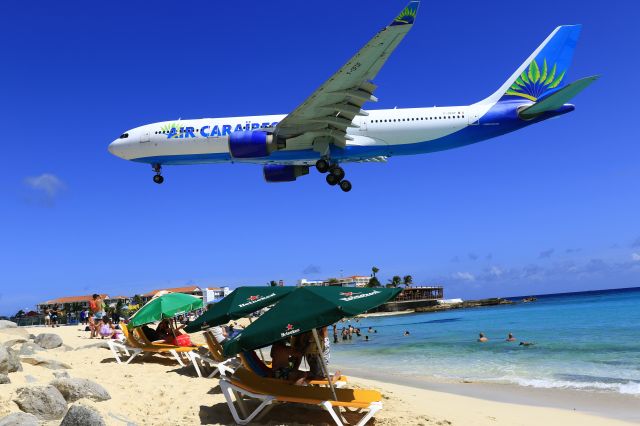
(408, 15)
(535, 82)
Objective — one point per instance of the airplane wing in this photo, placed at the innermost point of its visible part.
(324, 117)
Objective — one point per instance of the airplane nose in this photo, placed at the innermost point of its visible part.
(115, 148)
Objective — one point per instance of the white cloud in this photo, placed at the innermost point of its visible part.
(495, 271)
(464, 276)
(635, 257)
(47, 183)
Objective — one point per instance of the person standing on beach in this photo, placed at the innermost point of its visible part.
(96, 307)
(47, 318)
(482, 338)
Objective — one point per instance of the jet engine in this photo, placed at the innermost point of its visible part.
(251, 144)
(283, 173)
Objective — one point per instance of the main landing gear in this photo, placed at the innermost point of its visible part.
(157, 178)
(335, 174)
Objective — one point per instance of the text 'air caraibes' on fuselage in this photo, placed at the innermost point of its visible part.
(331, 127)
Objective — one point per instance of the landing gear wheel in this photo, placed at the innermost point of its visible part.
(332, 180)
(337, 172)
(345, 185)
(158, 179)
(322, 165)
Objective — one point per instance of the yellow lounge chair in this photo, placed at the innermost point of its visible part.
(126, 347)
(215, 356)
(162, 348)
(244, 383)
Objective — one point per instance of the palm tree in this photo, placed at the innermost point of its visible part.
(373, 282)
(374, 271)
(407, 280)
(137, 300)
(395, 281)
(273, 283)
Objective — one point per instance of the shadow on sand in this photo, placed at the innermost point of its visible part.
(280, 414)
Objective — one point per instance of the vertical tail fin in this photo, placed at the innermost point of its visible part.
(544, 71)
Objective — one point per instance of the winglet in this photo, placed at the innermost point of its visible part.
(408, 14)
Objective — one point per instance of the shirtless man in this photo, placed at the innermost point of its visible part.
(482, 338)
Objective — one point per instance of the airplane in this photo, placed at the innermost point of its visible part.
(331, 128)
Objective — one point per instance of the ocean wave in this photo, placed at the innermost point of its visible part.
(628, 388)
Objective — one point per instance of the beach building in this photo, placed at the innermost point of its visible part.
(352, 281)
(208, 294)
(113, 300)
(192, 290)
(215, 294)
(70, 301)
(414, 297)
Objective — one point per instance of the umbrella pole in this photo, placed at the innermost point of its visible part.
(325, 369)
(259, 350)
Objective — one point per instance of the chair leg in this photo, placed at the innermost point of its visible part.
(373, 409)
(227, 391)
(135, 353)
(193, 357)
(327, 406)
(213, 373)
(177, 357)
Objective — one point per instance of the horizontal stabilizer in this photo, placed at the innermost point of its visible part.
(555, 100)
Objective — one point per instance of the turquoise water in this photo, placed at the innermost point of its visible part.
(588, 341)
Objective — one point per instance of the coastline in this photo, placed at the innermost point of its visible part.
(610, 406)
(386, 314)
(157, 391)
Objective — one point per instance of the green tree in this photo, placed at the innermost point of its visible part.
(137, 300)
(374, 271)
(273, 283)
(395, 281)
(332, 281)
(119, 306)
(373, 282)
(407, 280)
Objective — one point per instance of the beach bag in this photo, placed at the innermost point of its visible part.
(181, 340)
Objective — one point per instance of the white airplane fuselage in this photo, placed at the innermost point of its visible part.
(383, 133)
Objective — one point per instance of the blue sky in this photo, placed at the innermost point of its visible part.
(554, 207)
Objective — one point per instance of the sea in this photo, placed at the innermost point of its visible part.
(586, 341)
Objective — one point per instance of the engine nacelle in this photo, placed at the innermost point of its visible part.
(251, 144)
(283, 173)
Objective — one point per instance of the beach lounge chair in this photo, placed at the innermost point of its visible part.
(215, 356)
(253, 363)
(163, 348)
(124, 348)
(244, 383)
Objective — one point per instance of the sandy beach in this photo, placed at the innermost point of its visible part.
(157, 391)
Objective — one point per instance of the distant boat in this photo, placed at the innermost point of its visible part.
(529, 299)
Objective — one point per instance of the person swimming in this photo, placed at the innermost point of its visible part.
(527, 343)
(406, 332)
(482, 338)
(510, 338)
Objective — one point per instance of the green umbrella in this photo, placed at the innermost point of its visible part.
(242, 302)
(165, 306)
(305, 309)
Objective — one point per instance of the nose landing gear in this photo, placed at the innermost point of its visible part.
(335, 175)
(157, 178)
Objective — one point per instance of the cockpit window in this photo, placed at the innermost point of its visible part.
(124, 136)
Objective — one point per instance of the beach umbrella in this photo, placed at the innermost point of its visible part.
(241, 302)
(305, 309)
(165, 306)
